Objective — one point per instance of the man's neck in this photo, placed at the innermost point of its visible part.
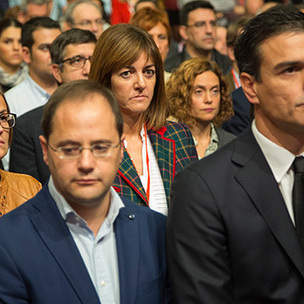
(291, 141)
(194, 53)
(94, 215)
(49, 84)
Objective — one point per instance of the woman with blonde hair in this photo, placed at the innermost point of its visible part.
(199, 97)
(127, 61)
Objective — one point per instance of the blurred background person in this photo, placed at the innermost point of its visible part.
(32, 8)
(143, 4)
(85, 15)
(199, 97)
(198, 30)
(15, 188)
(156, 23)
(12, 68)
(220, 43)
(127, 61)
(36, 37)
(71, 53)
(233, 31)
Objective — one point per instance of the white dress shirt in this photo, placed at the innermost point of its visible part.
(98, 253)
(280, 162)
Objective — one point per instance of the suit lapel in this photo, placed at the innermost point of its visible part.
(266, 196)
(164, 150)
(128, 172)
(127, 242)
(57, 238)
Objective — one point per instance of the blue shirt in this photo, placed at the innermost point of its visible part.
(99, 253)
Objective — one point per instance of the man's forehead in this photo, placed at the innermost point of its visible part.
(201, 14)
(84, 11)
(43, 34)
(35, 10)
(74, 49)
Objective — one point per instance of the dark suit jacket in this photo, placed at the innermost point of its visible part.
(26, 154)
(174, 150)
(230, 237)
(242, 114)
(40, 262)
(222, 61)
(224, 137)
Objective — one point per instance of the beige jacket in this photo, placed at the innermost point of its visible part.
(16, 189)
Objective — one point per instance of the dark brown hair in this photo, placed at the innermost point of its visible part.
(120, 46)
(74, 91)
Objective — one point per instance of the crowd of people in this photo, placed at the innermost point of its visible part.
(150, 158)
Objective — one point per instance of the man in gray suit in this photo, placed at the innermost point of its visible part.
(233, 231)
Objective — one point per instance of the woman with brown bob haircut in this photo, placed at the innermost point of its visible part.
(199, 97)
(127, 61)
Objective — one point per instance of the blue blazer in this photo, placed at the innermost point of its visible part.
(40, 262)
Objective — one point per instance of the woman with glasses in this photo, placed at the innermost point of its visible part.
(15, 188)
(127, 61)
(199, 97)
(12, 68)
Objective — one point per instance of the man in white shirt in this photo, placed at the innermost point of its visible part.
(77, 241)
(234, 229)
(37, 36)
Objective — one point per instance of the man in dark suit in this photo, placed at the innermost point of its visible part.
(232, 228)
(77, 241)
(71, 53)
(198, 30)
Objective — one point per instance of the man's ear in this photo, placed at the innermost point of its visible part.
(43, 143)
(57, 72)
(249, 87)
(26, 54)
(183, 32)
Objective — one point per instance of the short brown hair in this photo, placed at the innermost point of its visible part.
(120, 46)
(75, 90)
(180, 89)
(147, 18)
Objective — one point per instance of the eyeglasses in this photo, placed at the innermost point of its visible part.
(78, 61)
(203, 24)
(7, 120)
(89, 23)
(98, 150)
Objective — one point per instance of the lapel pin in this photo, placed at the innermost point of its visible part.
(131, 216)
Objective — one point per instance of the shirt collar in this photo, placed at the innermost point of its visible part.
(213, 136)
(278, 158)
(68, 213)
(37, 88)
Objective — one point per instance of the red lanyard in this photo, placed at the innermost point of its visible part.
(236, 81)
(147, 161)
